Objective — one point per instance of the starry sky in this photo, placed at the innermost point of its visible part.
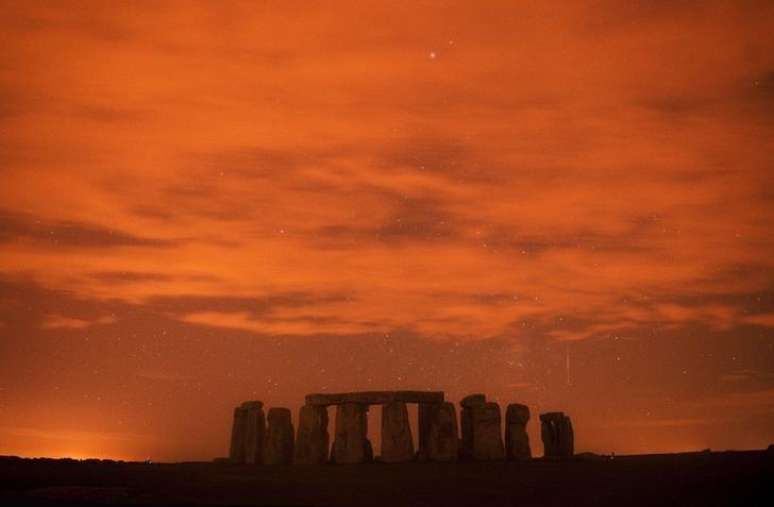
(565, 204)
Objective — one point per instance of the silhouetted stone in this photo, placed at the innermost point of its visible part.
(312, 437)
(516, 438)
(256, 429)
(426, 414)
(247, 433)
(351, 444)
(397, 445)
(278, 447)
(473, 400)
(557, 435)
(236, 451)
(442, 439)
(487, 436)
(466, 421)
(375, 397)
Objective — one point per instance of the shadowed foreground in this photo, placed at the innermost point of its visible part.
(732, 478)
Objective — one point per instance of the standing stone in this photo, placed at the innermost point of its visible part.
(557, 435)
(351, 444)
(312, 437)
(468, 403)
(278, 447)
(397, 445)
(247, 433)
(427, 413)
(443, 443)
(516, 438)
(236, 452)
(487, 436)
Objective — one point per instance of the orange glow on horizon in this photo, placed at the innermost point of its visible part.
(565, 205)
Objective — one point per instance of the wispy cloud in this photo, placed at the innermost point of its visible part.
(63, 322)
(516, 182)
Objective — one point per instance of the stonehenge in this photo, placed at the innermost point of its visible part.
(312, 437)
(397, 445)
(480, 438)
(278, 445)
(351, 444)
(442, 443)
(557, 435)
(516, 438)
(480, 423)
(247, 433)
(487, 438)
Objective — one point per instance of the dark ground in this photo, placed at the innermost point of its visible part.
(731, 478)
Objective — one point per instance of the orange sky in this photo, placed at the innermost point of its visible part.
(208, 202)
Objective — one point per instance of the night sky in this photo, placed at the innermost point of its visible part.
(567, 205)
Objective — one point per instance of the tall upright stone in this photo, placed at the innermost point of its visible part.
(487, 436)
(350, 444)
(428, 415)
(516, 438)
(256, 429)
(557, 435)
(312, 437)
(468, 403)
(442, 438)
(247, 433)
(238, 433)
(397, 444)
(278, 446)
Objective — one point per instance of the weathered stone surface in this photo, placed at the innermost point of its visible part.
(516, 438)
(466, 421)
(247, 433)
(278, 446)
(244, 414)
(375, 397)
(487, 436)
(312, 438)
(426, 413)
(350, 444)
(397, 445)
(557, 435)
(473, 400)
(443, 440)
(236, 451)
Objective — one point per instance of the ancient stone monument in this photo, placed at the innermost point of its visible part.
(441, 442)
(397, 445)
(481, 423)
(252, 442)
(247, 433)
(557, 435)
(468, 403)
(278, 446)
(516, 438)
(351, 444)
(487, 436)
(312, 437)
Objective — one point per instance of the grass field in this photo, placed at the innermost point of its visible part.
(730, 478)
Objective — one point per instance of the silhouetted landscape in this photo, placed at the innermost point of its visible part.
(703, 478)
(386, 252)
